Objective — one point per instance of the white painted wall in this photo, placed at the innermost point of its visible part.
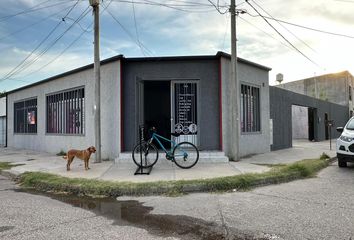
(2, 106)
(300, 124)
(54, 143)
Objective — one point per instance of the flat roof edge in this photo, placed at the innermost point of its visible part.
(136, 59)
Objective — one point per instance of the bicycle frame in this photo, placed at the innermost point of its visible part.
(157, 136)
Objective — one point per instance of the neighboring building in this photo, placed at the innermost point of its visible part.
(179, 94)
(297, 116)
(2, 121)
(335, 88)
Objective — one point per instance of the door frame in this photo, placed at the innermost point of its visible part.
(172, 84)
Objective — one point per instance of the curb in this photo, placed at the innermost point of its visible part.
(181, 188)
(10, 174)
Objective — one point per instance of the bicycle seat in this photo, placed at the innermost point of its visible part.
(176, 134)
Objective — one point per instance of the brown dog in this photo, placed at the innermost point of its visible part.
(82, 154)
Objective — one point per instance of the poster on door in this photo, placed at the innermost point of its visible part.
(186, 108)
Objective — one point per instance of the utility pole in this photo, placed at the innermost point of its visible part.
(234, 89)
(97, 105)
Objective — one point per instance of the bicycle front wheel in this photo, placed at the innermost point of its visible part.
(145, 155)
(185, 155)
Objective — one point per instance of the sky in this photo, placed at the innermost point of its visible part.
(42, 38)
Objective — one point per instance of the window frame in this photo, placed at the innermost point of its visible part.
(257, 114)
(24, 116)
(82, 115)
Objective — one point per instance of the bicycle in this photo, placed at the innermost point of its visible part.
(185, 154)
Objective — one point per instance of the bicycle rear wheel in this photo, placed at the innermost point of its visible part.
(185, 155)
(148, 157)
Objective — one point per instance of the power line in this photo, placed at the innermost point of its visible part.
(247, 1)
(22, 63)
(68, 47)
(33, 9)
(217, 7)
(33, 24)
(304, 27)
(286, 28)
(136, 29)
(269, 35)
(178, 7)
(129, 34)
(54, 42)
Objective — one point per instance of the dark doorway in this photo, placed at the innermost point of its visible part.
(312, 113)
(157, 107)
(326, 126)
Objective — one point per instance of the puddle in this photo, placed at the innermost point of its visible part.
(134, 213)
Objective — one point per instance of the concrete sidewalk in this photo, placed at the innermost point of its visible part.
(164, 170)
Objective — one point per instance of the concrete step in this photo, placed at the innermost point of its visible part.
(204, 157)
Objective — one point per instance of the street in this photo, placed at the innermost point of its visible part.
(317, 208)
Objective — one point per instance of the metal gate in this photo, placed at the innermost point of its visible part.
(184, 111)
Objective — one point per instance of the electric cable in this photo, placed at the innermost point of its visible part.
(304, 27)
(33, 24)
(136, 29)
(53, 42)
(309, 59)
(68, 47)
(14, 70)
(286, 28)
(127, 32)
(271, 36)
(33, 9)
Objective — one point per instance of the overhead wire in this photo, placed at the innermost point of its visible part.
(217, 7)
(55, 40)
(21, 65)
(33, 9)
(136, 29)
(305, 27)
(33, 24)
(269, 35)
(292, 45)
(127, 32)
(69, 46)
(179, 7)
(303, 42)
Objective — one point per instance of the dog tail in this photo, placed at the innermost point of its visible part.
(65, 157)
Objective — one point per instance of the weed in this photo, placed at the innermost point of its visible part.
(243, 182)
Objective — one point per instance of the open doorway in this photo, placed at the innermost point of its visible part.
(157, 107)
(303, 123)
(326, 126)
(312, 116)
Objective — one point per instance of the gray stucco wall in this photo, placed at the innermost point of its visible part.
(281, 102)
(330, 87)
(54, 143)
(250, 143)
(204, 71)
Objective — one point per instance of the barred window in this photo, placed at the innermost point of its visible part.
(25, 116)
(250, 109)
(66, 112)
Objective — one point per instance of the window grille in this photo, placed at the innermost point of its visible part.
(250, 109)
(25, 116)
(66, 112)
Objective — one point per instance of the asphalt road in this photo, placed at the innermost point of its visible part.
(318, 208)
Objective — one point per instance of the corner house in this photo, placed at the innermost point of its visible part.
(186, 94)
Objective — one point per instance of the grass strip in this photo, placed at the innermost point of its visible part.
(7, 165)
(277, 174)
